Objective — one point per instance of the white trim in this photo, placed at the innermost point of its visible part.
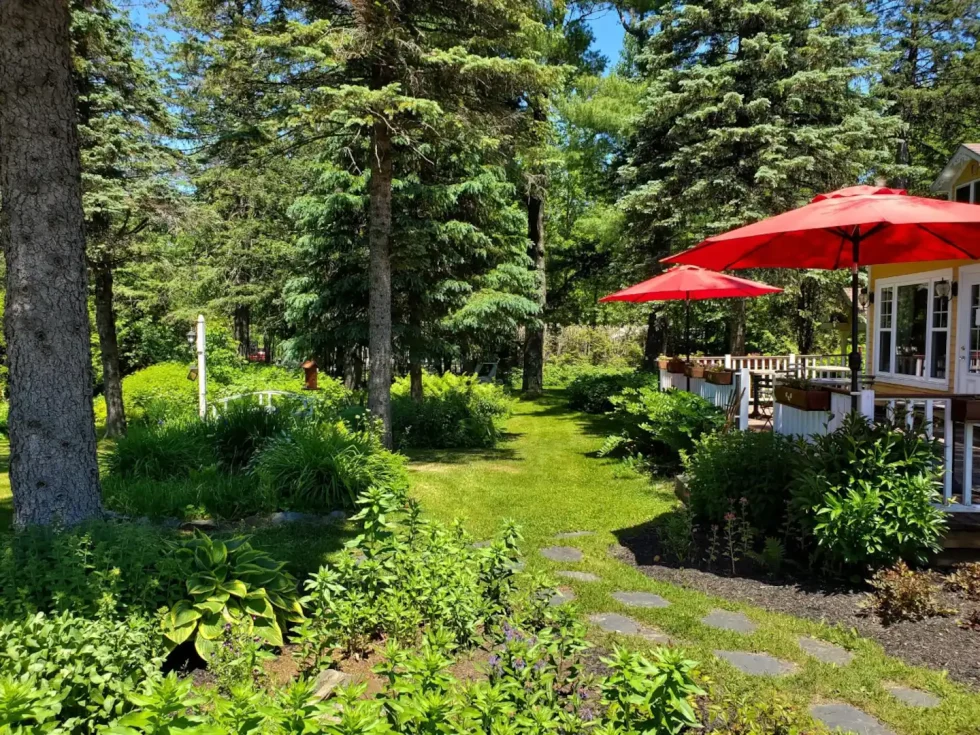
(953, 168)
(899, 378)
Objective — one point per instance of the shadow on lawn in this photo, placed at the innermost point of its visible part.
(464, 456)
(557, 406)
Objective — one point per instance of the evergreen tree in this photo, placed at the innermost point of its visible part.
(749, 111)
(125, 183)
(54, 472)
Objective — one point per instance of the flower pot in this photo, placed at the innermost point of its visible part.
(694, 371)
(676, 366)
(720, 377)
(663, 363)
(805, 399)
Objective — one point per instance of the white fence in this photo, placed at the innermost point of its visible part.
(812, 366)
(721, 396)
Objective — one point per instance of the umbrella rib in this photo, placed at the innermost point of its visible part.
(943, 239)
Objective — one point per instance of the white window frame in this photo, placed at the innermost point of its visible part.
(930, 277)
(974, 186)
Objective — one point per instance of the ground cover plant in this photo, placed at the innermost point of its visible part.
(591, 390)
(456, 411)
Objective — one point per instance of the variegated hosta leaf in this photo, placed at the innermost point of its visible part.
(258, 604)
(205, 648)
(211, 626)
(268, 630)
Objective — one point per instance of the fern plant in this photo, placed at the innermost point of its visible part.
(230, 584)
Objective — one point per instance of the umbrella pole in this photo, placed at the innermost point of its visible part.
(854, 358)
(687, 334)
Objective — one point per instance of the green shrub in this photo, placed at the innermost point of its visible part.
(205, 494)
(106, 569)
(724, 468)
(660, 426)
(868, 493)
(456, 412)
(86, 667)
(237, 434)
(327, 466)
(902, 594)
(170, 450)
(230, 584)
(591, 391)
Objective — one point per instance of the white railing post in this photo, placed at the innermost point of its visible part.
(744, 387)
(728, 362)
(866, 404)
(929, 417)
(949, 441)
(792, 362)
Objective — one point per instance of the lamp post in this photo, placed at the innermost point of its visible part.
(196, 340)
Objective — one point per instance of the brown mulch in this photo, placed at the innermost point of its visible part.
(936, 643)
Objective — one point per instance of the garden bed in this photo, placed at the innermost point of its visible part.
(937, 642)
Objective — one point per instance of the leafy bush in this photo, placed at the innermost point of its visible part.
(405, 573)
(902, 594)
(230, 584)
(591, 391)
(240, 432)
(82, 668)
(757, 466)
(868, 493)
(661, 425)
(103, 569)
(456, 412)
(327, 466)
(966, 579)
(171, 450)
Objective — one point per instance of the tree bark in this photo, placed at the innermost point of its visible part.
(379, 275)
(654, 345)
(242, 329)
(736, 334)
(415, 379)
(54, 472)
(105, 325)
(533, 379)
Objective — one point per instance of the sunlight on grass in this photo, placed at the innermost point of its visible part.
(556, 484)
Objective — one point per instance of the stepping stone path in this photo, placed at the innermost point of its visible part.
(578, 576)
(640, 599)
(758, 664)
(849, 719)
(561, 597)
(616, 623)
(574, 534)
(913, 697)
(562, 553)
(481, 544)
(726, 620)
(828, 653)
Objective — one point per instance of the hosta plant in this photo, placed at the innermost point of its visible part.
(230, 584)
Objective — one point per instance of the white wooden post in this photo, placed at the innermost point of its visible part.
(929, 417)
(967, 498)
(792, 364)
(866, 404)
(949, 441)
(745, 386)
(202, 380)
(728, 362)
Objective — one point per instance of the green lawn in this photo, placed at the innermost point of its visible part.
(546, 476)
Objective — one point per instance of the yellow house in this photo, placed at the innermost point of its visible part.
(923, 318)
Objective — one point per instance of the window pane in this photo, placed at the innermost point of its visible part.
(884, 352)
(938, 358)
(976, 192)
(885, 308)
(963, 194)
(910, 329)
(974, 329)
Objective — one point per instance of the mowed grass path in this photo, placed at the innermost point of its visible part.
(546, 476)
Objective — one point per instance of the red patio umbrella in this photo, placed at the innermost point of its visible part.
(859, 225)
(689, 283)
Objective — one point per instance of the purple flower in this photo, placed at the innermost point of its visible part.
(494, 661)
(583, 694)
(587, 714)
(539, 666)
(519, 664)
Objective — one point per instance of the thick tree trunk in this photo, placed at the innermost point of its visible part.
(267, 347)
(654, 345)
(415, 379)
(105, 325)
(379, 275)
(242, 329)
(533, 381)
(736, 334)
(54, 473)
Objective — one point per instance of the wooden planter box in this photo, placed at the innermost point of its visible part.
(676, 366)
(804, 400)
(663, 363)
(720, 377)
(694, 371)
(966, 409)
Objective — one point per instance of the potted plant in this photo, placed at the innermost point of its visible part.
(802, 394)
(719, 375)
(663, 362)
(694, 370)
(675, 365)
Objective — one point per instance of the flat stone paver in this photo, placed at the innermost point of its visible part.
(726, 620)
(574, 534)
(640, 599)
(481, 544)
(913, 697)
(849, 719)
(578, 576)
(757, 664)
(561, 597)
(562, 553)
(826, 652)
(616, 623)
